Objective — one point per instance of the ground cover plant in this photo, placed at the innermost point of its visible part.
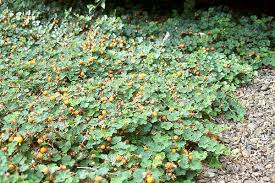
(122, 98)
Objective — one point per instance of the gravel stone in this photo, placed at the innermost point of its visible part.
(252, 141)
(249, 181)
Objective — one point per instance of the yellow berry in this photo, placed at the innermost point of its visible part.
(45, 93)
(111, 99)
(176, 137)
(145, 148)
(142, 76)
(50, 79)
(154, 114)
(102, 147)
(66, 102)
(104, 112)
(150, 179)
(100, 117)
(171, 109)
(19, 139)
(103, 99)
(52, 98)
(174, 151)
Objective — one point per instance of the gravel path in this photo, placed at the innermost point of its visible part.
(252, 142)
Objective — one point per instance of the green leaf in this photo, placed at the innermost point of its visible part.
(166, 125)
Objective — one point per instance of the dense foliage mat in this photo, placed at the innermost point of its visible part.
(121, 98)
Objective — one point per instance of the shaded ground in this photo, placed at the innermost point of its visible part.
(252, 142)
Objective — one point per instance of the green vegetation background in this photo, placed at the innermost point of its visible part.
(123, 97)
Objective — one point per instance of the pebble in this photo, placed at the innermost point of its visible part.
(235, 151)
(245, 153)
(249, 181)
(268, 166)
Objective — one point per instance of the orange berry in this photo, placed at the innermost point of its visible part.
(11, 138)
(77, 112)
(62, 167)
(119, 158)
(43, 150)
(98, 179)
(11, 167)
(39, 156)
(46, 170)
(181, 46)
(40, 141)
(50, 119)
(71, 109)
(13, 122)
(185, 151)
(123, 161)
(190, 157)
(44, 136)
(164, 118)
(51, 178)
(31, 105)
(4, 149)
